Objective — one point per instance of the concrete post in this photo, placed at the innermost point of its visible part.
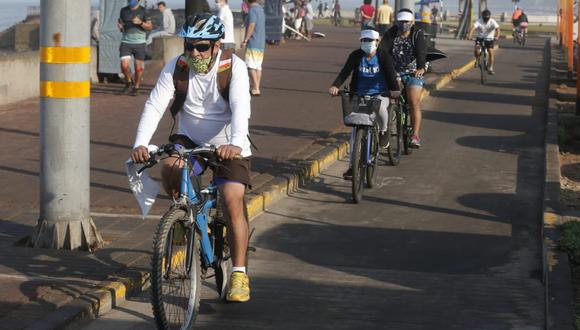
(65, 221)
(482, 7)
(400, 4)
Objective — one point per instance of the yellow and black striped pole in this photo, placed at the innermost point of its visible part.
(65, 91)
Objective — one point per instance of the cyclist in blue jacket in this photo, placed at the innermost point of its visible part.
(371, 75)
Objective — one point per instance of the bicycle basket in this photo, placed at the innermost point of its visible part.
(359, 111)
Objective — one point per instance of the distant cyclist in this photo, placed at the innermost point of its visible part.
(522, 23)
(370, 75)
(516, 15)
(406, 43)
(487, 33)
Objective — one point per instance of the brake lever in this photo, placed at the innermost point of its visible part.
(149, 165)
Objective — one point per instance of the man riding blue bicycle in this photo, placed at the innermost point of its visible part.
(207, 113)
(371, 75)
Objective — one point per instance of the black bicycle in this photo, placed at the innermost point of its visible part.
(400, 128)
(482, 61)
(190, 241)
(360, 114)
(520, 35)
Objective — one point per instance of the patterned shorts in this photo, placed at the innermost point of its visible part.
(254, 58)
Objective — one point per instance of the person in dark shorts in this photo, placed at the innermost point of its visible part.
(488, 33)
(133, 22)
(207, 115)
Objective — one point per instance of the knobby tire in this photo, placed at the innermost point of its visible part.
(175, 291)
(358, 168)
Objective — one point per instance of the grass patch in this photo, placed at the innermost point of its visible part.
(568, 132)
(570, 241)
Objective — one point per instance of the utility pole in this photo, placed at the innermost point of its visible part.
(193, 7)
(65, 221)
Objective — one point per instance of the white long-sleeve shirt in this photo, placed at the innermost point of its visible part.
(226, 16)
(206, 118)
(168, 21)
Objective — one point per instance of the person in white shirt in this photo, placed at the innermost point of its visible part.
(487, 33)
(225, 14)
(308, 18)
(168, 23)
(204, 119)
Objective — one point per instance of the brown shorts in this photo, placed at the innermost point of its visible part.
(237, 170)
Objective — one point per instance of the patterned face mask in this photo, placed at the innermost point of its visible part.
(198, 65)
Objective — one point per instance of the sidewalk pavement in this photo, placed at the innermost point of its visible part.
(294, 125)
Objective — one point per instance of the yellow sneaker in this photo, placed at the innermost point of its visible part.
(238, 288)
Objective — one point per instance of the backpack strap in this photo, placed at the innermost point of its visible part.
(224, 75)
(181, 84)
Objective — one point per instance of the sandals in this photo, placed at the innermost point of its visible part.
(255, 92)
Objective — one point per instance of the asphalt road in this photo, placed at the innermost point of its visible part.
(450, 238)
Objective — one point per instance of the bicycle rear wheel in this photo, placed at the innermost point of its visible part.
(395, 149)
(175, 272)
(373, 162)
(358, 165)
(483, 67)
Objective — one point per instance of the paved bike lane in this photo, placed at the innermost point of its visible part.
(450, 239)
(293, 114)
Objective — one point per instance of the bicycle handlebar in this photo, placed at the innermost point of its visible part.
(172, 148)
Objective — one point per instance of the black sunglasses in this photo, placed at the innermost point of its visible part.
(367, 40)
(199, 47)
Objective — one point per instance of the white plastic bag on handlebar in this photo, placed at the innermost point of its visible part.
(144, 188)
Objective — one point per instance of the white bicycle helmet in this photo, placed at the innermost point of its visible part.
(203, 26)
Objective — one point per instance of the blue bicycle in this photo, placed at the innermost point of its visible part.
(190, 239)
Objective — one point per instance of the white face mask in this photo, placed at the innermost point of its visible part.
(368, 47)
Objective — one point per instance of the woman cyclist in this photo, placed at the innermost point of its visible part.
(371, 75)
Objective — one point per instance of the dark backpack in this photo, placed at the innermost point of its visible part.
(181, 80)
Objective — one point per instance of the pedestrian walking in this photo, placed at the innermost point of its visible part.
(336, 13)
(133, 23)
(245, 9)
(367, 12)
(308, 18)
(168, 28)
(385, 17)
(227, 18)
(255, 44)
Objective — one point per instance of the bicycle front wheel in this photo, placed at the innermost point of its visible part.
(358, 166)
(373, 151)
(175, 273)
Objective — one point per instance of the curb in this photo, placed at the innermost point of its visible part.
(559, 301)
(114, 291)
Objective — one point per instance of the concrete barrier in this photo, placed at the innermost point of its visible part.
(20, 76)
(166, 48)
(20, 71)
